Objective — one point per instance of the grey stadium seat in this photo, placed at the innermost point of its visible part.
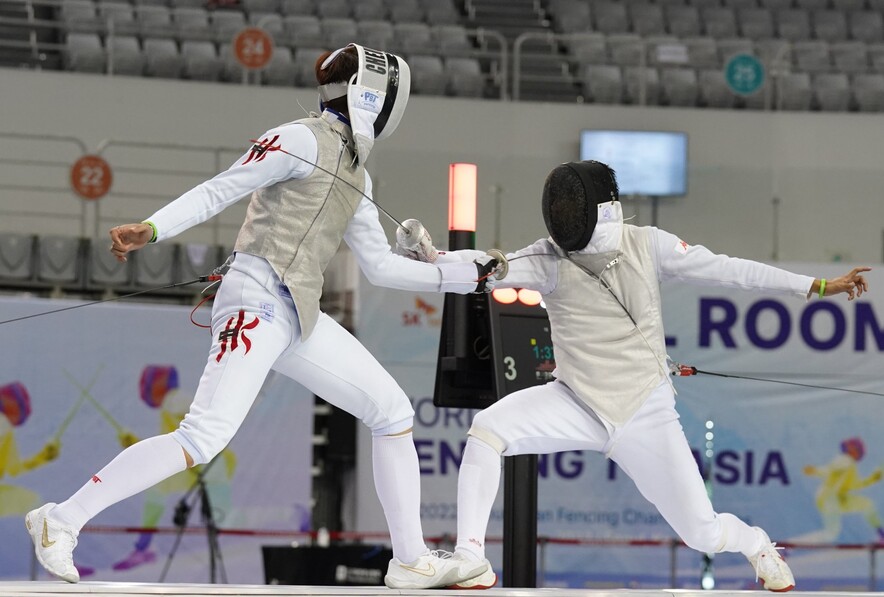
(776, 4)
(17, 256)
(832, 91)
(610, 17)
(124, 56)
(118, 17)
(303, 31)
(427, 75)
(868, 90)
(231, 69)
(102, 268)
(811, 56)
(226, 24)
(375, 34)
(811, 4)
(794, 91)
(370, 10)
(153, 265)
(414, 37)
(739, 5)
(603, 83)
(264, 6)
(830, 25)
(333, 9)
(162, 59)
(636, 76)
(703, 4)
(682, 20)
(848, 5)
(338, 32)
(626, 49)
(154, 21)
(588, 48)
(405, 12)
(849, 56)
(570, 16)
(702, 52)
(719, 22)
(876, 56)
(80, 16)
(297, 7)
(465, 78)
(191, 24)
(728, 48)
(714, 91)
(679, 86)
(773, 51)
(866, 26)
(665, 50)
(441, 12)
(647, 19)
(60, 260)
(793, 25)
(271, 22)
(84, 53)
(756, 23)
(201, 61)
(452, 40)
(281, 71)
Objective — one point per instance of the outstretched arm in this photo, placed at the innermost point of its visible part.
(676, 260)
(259, 167)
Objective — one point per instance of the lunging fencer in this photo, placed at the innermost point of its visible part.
(309, 190)
(600, 279)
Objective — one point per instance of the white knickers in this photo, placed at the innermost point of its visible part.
(255, 329)
(651, 448)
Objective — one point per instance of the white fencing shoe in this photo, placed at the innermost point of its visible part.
(435, 569)
(54, 543)
(486, 580)
(771, 568)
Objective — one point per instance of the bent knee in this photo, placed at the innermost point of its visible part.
(483, 428)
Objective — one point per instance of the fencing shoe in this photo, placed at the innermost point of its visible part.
(434, 569)
(771, 568)
(54, 543)
(486, 580)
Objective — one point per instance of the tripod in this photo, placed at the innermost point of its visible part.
(182, 512)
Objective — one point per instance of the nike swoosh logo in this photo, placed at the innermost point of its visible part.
(428, 571)
(46, 541)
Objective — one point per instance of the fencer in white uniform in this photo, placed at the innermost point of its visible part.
(309, 190)
(600, 279)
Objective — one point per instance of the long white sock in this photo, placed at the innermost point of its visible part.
(133, 470)
(397, 480)
(739, 536)
(477, 485)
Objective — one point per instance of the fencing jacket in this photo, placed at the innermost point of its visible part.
(298, 214)
(610, 363)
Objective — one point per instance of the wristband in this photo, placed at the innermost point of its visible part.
(153, 227)
(822, 287)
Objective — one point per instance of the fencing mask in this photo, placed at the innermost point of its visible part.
(376, 95)
(573, 194)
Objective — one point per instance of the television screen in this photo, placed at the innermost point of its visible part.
(646, 162)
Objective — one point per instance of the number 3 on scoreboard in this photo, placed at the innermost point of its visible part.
(510, 363)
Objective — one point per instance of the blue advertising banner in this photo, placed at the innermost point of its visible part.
(77, 387)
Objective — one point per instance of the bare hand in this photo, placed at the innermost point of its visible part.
(129, 237)
(854, 284)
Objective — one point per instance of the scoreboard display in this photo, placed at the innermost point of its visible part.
(490, 348)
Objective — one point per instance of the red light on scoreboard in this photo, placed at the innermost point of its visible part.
(507, 296)
(530, 297)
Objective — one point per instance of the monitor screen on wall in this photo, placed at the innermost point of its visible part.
(646, 162)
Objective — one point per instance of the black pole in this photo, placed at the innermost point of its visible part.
(520, 521)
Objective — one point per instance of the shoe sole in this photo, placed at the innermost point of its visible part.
(476, 587)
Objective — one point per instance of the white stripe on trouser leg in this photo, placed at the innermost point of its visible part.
(136, 468)
(477, 485)
(398, 484)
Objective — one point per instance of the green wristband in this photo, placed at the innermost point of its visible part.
(153, 227)
(822, 287)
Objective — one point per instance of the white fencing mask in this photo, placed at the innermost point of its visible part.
(376, 95)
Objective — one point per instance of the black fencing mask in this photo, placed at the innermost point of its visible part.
(571, 196)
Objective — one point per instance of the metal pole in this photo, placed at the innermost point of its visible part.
(520, 521)
(775, 255)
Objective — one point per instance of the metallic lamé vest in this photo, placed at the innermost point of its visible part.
(298, 224)
(599, 353)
